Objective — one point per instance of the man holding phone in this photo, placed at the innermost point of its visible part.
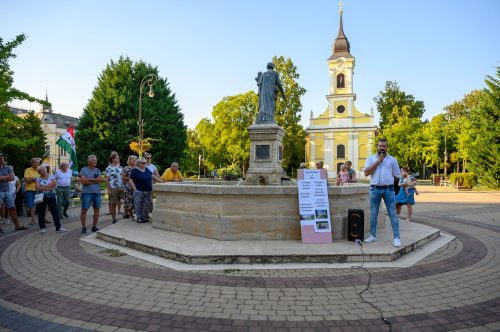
(91, 192)
(382, 168)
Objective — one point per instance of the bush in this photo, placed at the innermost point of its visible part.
(467, 180)
(231, 172)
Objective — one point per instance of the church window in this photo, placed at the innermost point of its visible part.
(341, 108)
(340, 81)
(340, 151)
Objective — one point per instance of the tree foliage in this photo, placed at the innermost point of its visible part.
(20, 138)
(402, 140)
(225, 139)
(485, 134)
(393, 103)
(9, 93)
(110, 119)
(288, 114)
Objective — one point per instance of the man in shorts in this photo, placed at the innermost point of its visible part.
(90, 177)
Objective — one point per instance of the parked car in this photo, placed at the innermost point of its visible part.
(415, 175)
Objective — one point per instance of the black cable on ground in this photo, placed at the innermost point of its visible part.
(361, 267)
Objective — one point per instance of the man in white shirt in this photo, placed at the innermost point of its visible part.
(63, 189)
(382, 168)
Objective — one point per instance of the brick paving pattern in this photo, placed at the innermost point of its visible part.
(54, 282)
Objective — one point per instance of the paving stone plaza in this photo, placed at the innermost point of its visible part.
(56, 282)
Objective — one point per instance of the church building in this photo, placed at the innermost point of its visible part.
(342, 132)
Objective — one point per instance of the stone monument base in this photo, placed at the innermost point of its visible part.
(266, 154)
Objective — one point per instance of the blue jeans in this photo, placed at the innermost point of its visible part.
(376, 195)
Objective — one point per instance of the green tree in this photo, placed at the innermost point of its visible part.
(288, 114)
(485, 134)
(110, 119)
(190, 160)
(404, 139)
(458, 128)
(20, 138)
(225, 140)
(7, 92)
(391, 101)
(432, 142)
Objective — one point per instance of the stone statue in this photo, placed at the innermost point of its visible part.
(269, 84)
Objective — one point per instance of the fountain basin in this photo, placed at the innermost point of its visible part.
(230, 212)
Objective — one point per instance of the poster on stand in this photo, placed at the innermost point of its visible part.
(314, 207)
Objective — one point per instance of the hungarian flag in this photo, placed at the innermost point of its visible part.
(67, 142)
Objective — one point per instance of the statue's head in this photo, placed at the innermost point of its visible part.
(270, 65)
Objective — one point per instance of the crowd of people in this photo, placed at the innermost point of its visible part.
(43, 190)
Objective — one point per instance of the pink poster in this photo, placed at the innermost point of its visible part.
(314, 208)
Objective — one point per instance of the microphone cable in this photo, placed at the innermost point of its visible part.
(360, 294)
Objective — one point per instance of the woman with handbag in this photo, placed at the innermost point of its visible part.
(46, 196)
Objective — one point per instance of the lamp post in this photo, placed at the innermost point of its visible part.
(148, 80)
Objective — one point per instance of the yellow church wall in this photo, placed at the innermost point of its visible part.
(319, 150)
(318, 122)
(337, 104)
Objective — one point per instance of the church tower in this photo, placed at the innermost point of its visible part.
(341, 133)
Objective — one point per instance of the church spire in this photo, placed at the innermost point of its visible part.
(341, 46)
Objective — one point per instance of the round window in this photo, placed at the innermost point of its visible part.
(340, 109)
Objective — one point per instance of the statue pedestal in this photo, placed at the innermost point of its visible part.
(266, 154)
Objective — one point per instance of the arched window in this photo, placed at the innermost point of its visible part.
(340, 151)
(340, 81)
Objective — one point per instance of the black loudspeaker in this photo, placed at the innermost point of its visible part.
(355, 224)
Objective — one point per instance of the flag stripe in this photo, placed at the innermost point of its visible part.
(67, 142)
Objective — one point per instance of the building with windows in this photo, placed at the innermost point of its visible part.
(342, 132)
(53, 125)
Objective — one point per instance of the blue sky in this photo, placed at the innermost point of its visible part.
(435, 50)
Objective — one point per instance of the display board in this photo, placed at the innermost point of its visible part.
(314, 207)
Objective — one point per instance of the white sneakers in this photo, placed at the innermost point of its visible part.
(60, 230)
(397, 242)
(371, 238)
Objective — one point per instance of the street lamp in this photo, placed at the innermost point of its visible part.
(148, 80)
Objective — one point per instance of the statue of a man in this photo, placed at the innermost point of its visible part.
(269, 84)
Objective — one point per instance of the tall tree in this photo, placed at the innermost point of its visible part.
(458, 134)
(20, 138)
(392, 101)
(7, 92)
(404, 139)
(485, 134)
(191, 158)
(225, 140)
(432, 142)
(288, 114)
(110, 120)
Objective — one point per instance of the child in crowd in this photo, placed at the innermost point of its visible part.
(407, 179)
(405, 196)
(343, 176)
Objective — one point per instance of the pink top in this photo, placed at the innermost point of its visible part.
(344, 176)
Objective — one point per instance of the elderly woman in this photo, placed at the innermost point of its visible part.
(129, 192)
(47, 185)
(141, 181)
